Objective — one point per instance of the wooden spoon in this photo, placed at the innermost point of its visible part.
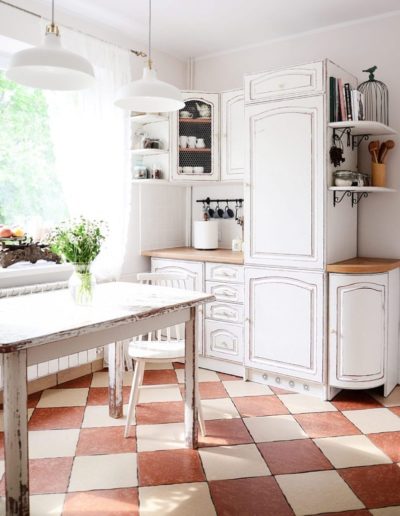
(389, 145)
(382, 152)
(373, 148)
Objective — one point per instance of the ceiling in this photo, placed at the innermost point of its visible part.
(196, 28)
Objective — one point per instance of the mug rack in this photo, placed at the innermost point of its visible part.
(208, 201)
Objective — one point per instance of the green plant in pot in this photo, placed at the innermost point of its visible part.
(78, 241)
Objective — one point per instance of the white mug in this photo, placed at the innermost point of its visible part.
(192, 142)
(187, 170)
(198, 170)
(200, 143)
(183, 142)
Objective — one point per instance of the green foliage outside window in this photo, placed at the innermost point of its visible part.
(28, 182)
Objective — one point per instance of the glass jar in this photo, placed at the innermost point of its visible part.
(82, 284)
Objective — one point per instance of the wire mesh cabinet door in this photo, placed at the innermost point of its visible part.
(195, 138)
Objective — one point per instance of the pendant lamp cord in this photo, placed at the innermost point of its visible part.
(149, 58)
(52, 12)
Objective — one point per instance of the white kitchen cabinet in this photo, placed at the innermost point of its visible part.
(224, 341)
(363, 330)
(195, 138)
(224, 272)
(307, 79)
(284, 184)
(232, 135)
(195, 281)
(284, 322)
(230, 292)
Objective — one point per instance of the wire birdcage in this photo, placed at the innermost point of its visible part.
(376, 98)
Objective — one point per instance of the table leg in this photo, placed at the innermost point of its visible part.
(190, 381)
(16, 433)
(115, 377)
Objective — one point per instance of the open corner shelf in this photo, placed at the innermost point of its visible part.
(359, 130)
(148, 152)
(149, 118)
(356, 193)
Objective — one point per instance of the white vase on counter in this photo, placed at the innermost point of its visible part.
(205, 234)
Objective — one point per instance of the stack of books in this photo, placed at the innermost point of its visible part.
(344, 102)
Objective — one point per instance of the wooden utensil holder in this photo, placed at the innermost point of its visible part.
(378, 174)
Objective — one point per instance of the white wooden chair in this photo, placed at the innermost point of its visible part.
(161, 346)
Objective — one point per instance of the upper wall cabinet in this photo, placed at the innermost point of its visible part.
(284, 184)
(233, 135)
(195, 138)
(289, 82)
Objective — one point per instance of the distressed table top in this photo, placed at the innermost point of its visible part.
(35, 319)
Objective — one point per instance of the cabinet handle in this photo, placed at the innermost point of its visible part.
(224, 313)
(227, 293)
(224, 344)
(225, 273)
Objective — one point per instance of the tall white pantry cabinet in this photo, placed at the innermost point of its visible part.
(292, 231)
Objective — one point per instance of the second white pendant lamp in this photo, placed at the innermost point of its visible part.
(149, 94)
(49, 66)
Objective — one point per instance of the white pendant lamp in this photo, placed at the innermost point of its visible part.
(149, 94)
(49, 66)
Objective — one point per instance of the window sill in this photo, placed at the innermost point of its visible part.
(22, 274)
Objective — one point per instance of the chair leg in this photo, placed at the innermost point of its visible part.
(200, 412)
(134, 395)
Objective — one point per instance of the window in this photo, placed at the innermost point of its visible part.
(30, 191)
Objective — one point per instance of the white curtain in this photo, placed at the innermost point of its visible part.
(91, 146)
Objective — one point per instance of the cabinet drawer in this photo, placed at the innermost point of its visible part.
(224, 341)
(224, 272)
(225, 312)
(289, 82)
(233, 293)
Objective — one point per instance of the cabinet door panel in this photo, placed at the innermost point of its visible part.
(224, 341)
(224, 272)
(233, 135)
(285, 185)
(358, 326)
(285, 322)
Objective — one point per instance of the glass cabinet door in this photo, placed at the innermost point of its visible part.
(196, 141)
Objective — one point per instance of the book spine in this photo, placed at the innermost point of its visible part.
(342, 108)
(354, 104)
(332, 99)
(348, 101)
(361, 108)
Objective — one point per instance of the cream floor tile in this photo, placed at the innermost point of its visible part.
(351, 450)
(204, 376)
(372, 421)
(227, 462)
(237, 388)
(154, 393)
(100, 379)
(386, 511)
(30, 412)
(40, 505)
(392, 400)
(63, 398)
(155, 366)
(53, 443)
(176, 499)
(97, 416)
(317, 492)
(221, 408)
(2, 468)
(167, 436)
(301, 403)
(274, 428)
(103, 472)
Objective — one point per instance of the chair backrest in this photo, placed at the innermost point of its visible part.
(165, 279)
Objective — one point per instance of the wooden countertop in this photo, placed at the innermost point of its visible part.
(364, 265)
(189, 253)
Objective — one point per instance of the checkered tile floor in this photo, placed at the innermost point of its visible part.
(267, 452)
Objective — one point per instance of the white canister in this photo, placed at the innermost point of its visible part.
(205, 234)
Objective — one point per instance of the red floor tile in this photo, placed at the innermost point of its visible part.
(375, 486)
(159, 412)
(101, 441)
(326, 424)
(396, 410)
(249, 497)
(56, 418)
(297, 456)
(225, 432)
(1, 445)
(279, 390)
(110, 502)
(389, 443)
(99, 395)
(47, 476)
(178, 365)
(169, 467)
(228, 377)
(33, 399)
(77, 383)
(253, 406)
(354, 400)
(159, 377)
(360, 512)
(208, 390)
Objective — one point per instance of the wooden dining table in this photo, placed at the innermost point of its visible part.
(44, 326)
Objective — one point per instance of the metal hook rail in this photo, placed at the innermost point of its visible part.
(217, 201)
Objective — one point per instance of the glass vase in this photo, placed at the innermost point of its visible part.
(82, 284)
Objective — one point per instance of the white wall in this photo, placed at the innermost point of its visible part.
(354, 47)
